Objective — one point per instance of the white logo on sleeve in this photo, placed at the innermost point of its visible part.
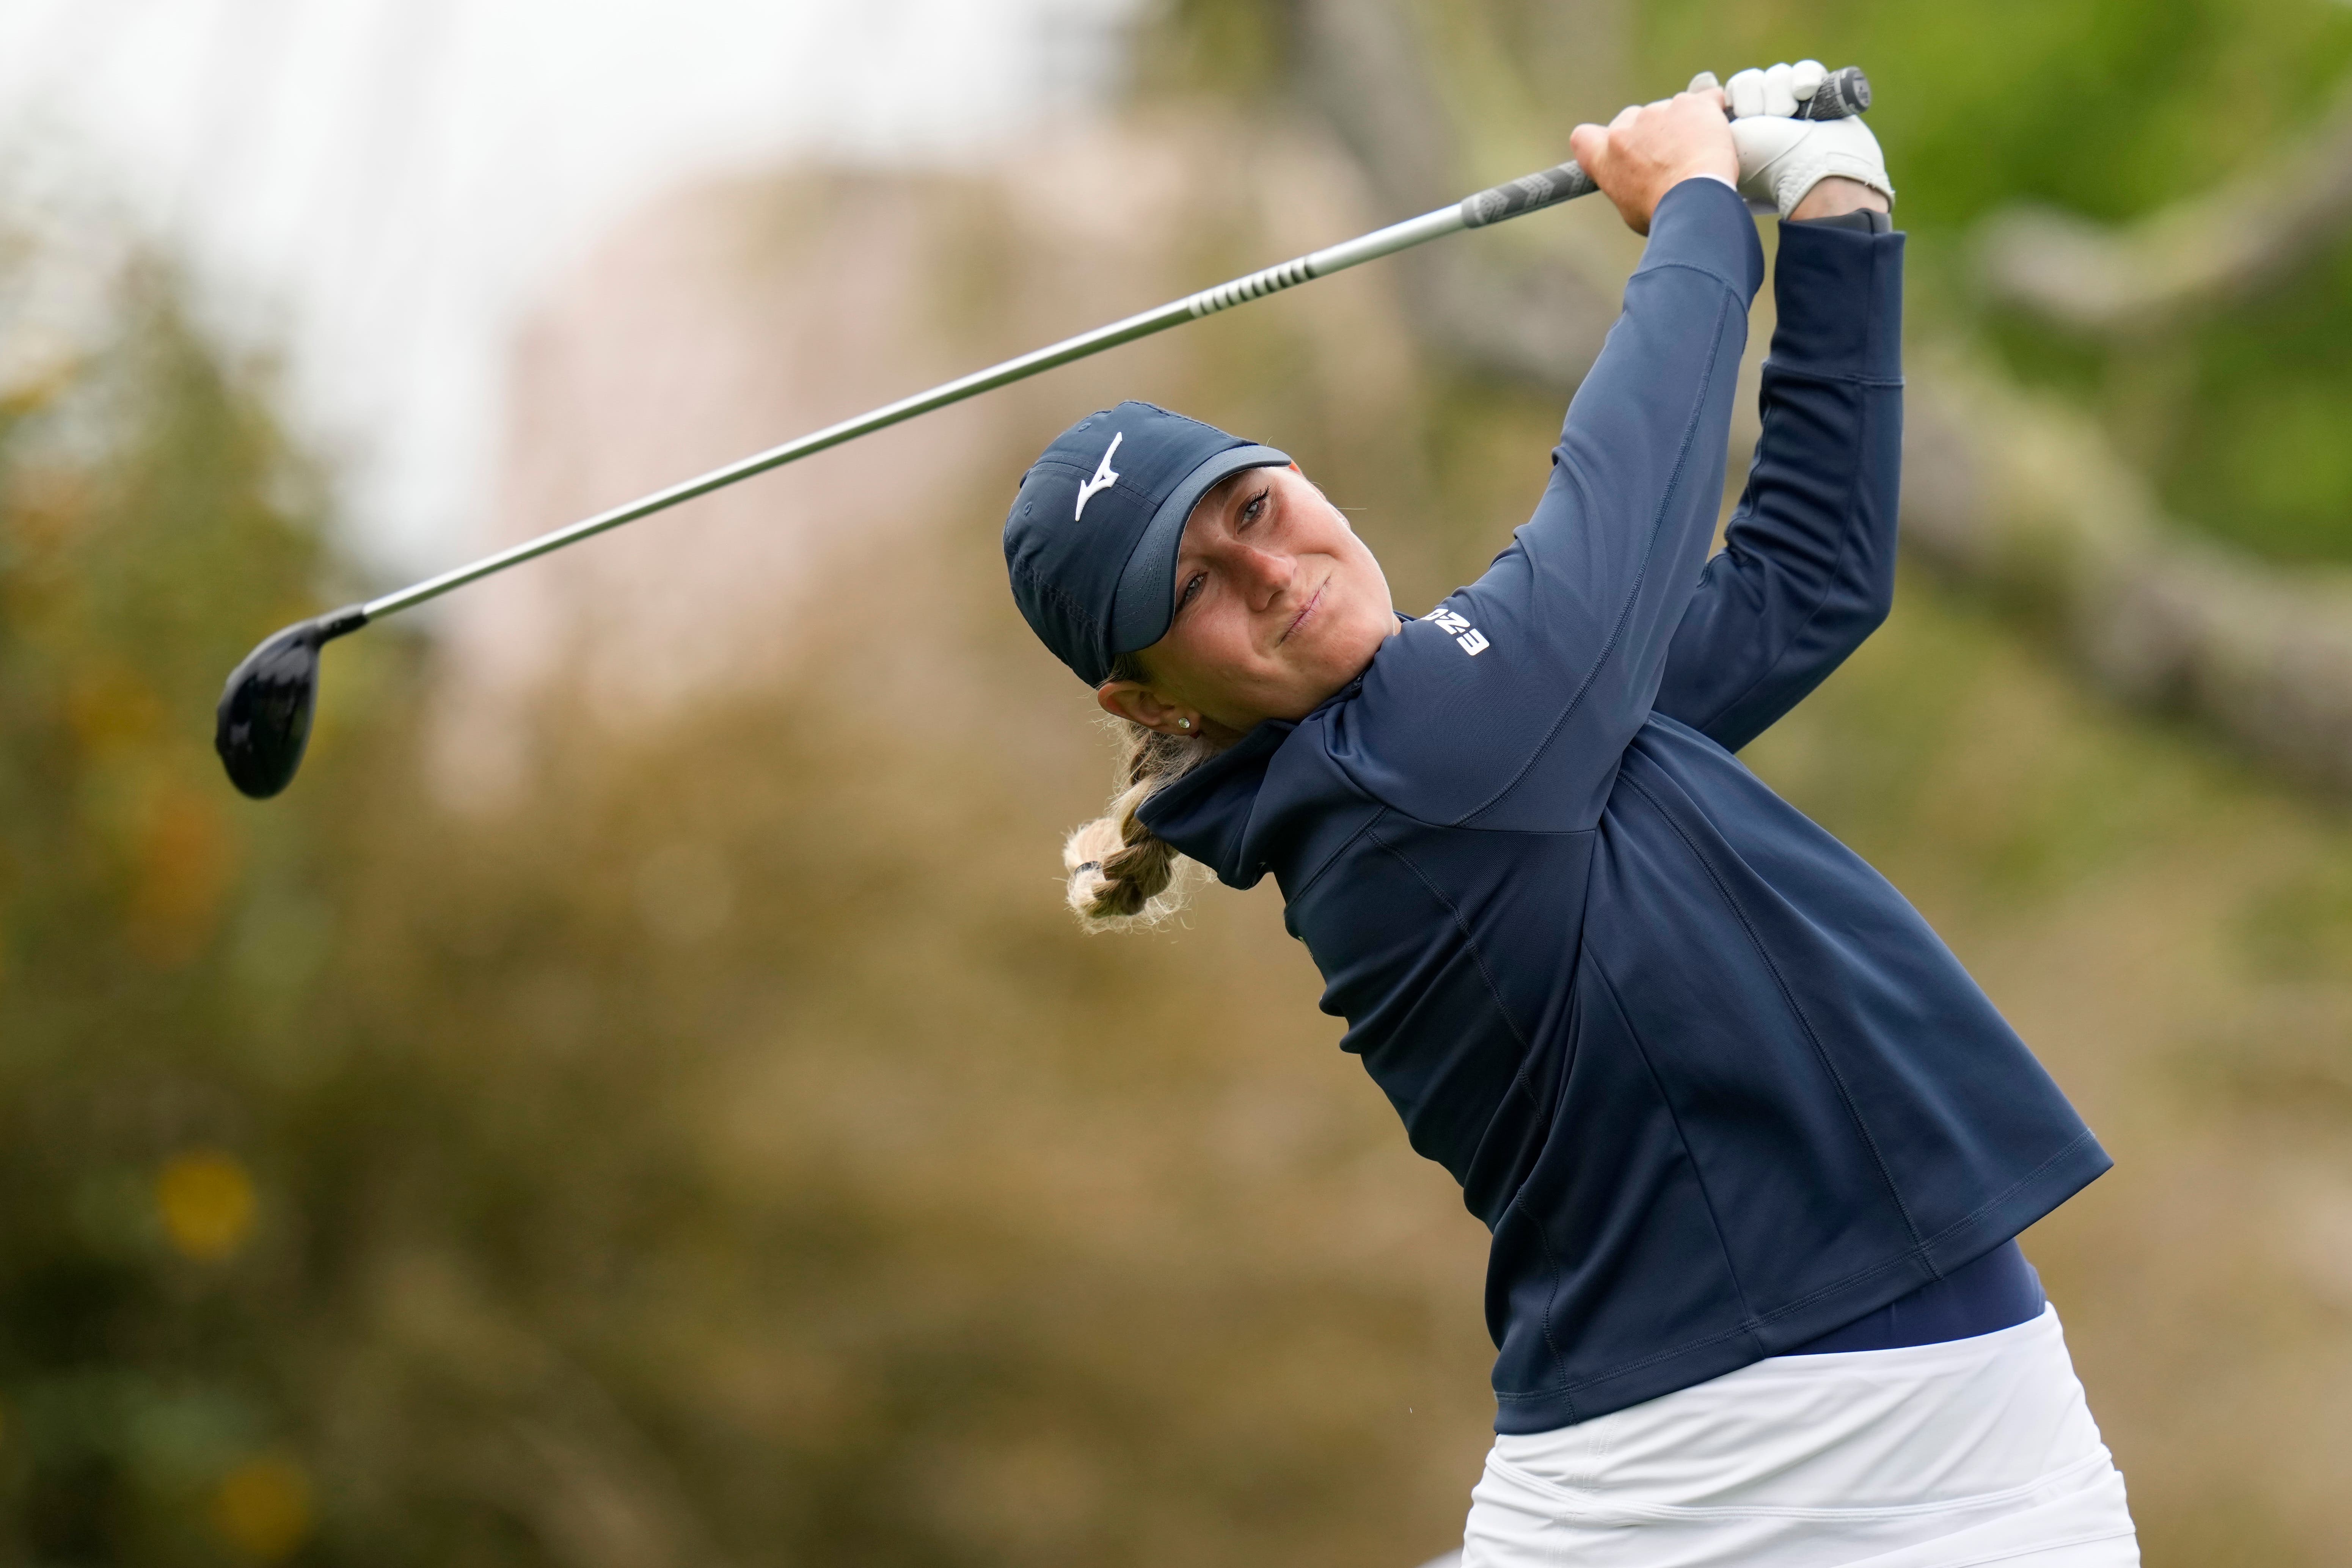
(1105, 477)
(1469, 638)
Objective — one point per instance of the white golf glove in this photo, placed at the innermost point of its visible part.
(1781, 158)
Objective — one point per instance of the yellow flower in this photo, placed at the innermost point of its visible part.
(263, 1506)
(207, 1203)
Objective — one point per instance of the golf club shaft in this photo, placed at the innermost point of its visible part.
(1522, 196)
(1844, 92)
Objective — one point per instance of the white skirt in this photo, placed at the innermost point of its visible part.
(1975, 1451)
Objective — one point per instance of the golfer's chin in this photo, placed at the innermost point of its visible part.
(1322, 664)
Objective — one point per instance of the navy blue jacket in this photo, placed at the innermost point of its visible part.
(1714, 1085)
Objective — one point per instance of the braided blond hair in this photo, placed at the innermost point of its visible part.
(1122, 876)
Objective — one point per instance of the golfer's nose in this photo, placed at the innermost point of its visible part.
(1264, 575)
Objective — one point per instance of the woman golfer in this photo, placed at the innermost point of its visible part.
(1752, 1145)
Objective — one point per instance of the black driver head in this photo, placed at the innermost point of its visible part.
(264, 721)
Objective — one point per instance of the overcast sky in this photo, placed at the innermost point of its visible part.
(380, 185)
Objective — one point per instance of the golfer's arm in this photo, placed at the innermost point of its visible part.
(1574, 619)
(1638, 475)
(1807, 570)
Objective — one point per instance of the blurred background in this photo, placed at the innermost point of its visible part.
(638, 1099)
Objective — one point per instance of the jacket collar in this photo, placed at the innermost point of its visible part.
(1206, 814)
(1211, 812)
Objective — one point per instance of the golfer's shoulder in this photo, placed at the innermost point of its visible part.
(1448, 715)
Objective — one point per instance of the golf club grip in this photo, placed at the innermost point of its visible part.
(1525, 194)
(1842, 94)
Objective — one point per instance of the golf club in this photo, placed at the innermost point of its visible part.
(263, 720)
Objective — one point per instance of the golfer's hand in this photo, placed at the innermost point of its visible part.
(1649, 150)
(1805, 168)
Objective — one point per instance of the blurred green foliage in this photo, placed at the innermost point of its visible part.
(2109, 109)
(737, 1159)
(148, 511)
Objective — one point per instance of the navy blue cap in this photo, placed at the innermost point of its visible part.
(1092, 538)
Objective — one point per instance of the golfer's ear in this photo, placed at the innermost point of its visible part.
(1134, 702)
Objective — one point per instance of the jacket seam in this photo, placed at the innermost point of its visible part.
(1730, 286)
(1788, 998)
(1845, 1282)
(1379, 810)
(1814, 613)
(2010, 1191)
(1774, 370)
(1470, 941)
(1658, 522)
(1714, 1221)
(1519, 1086)
(1803, 371)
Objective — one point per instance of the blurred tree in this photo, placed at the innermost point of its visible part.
(2110, 108)
(2062, 518)
(2112, 111)
(149, 507)
(740, 1164)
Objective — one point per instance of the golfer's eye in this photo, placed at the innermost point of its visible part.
(1252, 508)
(1191, 589)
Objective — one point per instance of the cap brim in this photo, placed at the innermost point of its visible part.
(1146, 601)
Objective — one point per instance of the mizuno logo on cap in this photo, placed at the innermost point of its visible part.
(1105, 477)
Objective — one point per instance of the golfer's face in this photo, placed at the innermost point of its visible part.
(1278, 604)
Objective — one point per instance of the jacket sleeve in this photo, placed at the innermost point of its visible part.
(1509, 705)
(1807, 570)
